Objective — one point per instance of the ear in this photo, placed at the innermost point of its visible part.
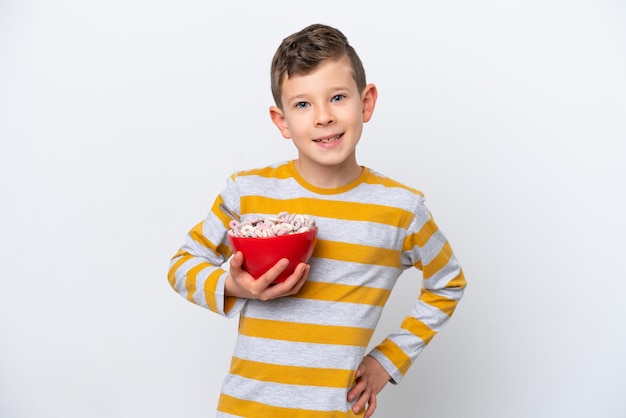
(370, 94)
(278, 118)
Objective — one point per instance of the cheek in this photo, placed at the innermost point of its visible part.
(296, 124)
(355, 119)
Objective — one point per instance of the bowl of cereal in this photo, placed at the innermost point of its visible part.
(265, 241)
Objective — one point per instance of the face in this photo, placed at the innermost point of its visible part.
(323, 113)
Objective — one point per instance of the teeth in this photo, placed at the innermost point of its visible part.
(328, 140)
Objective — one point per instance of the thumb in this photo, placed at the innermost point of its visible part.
(236, 261)
(360, 371)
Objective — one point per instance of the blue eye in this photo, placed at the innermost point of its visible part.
(301, 105)
(338, 98)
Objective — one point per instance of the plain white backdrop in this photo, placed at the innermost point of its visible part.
(121, 120)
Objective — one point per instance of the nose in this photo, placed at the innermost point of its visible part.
(324, 115)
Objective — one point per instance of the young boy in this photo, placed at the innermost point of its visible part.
(300, 351)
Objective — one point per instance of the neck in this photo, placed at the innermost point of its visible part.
(329, 177)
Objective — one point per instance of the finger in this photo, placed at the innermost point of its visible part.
(287, 287)
(356, 390)
(294, 277)
(269, 276)
(299, 276)
(361, 402)
(267, 288)
(371, 406)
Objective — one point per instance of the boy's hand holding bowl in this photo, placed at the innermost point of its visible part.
(264, 242)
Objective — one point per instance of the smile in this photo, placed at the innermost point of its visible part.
(328, 140)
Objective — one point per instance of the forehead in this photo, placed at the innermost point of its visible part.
(331, 72)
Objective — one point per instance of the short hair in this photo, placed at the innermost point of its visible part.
(301, 52)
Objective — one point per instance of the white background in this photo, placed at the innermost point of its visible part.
(121, 120)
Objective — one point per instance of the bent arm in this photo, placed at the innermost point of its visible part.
(443, 285)
(195, 271)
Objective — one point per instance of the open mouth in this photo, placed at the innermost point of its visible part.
(328, 140)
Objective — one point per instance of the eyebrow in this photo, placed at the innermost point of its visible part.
(305, 95)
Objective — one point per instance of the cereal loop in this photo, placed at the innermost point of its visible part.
(282, 224)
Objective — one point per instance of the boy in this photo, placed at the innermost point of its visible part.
(300, 351)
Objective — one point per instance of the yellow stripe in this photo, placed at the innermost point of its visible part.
(244, 408)
(219, 213)
(285, 171)
(292, 375)
(190, 281)
(308, 333)
(179, 253)
(438, 262)
(353, 211)
(388, 182)
(229, 302)
(396, 355)
(444, 304)
(357, 253)
(344, 293)
(421, 237)
(209, 289)
(280, 172)
(224, 250)
(171, 276)
(419, 329)
(458, 282)
(197, 235)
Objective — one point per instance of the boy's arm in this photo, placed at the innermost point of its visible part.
(426, 248)
(195, 271)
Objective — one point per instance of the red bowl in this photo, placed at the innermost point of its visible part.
(260, 254)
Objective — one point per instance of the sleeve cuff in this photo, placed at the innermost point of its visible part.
(389, 367)
(227, 306)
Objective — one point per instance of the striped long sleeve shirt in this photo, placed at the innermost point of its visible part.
(297, 356)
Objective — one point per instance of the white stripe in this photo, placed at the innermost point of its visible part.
(181, 274)
(379, 277)
(309, 355)
(225, 415)
(441, 279)
(433, 247)
(411, 344)
(308, 311)
(430, 315)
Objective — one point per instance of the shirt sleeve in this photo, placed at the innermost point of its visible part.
(195, 271)
(426, 248)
